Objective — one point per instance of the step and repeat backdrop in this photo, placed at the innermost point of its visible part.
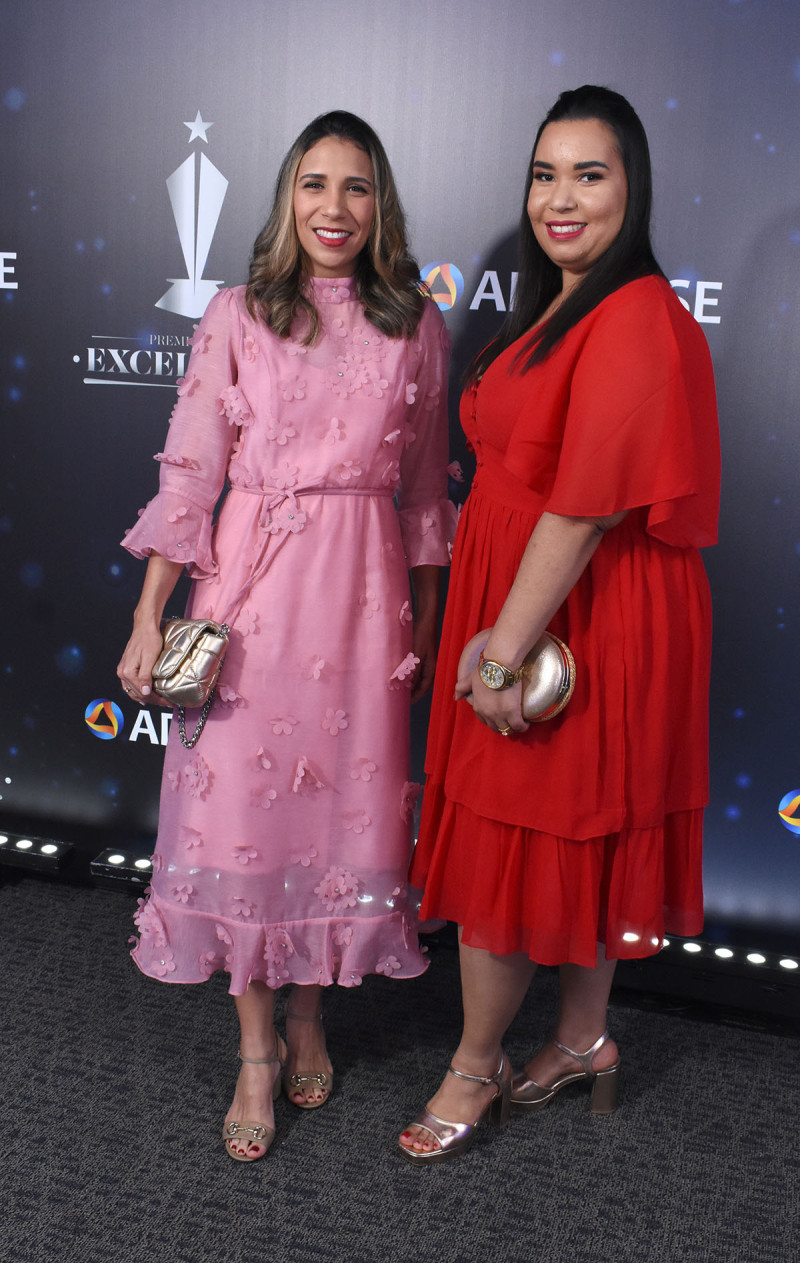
(140, 144)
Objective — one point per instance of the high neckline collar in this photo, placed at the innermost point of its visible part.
(326, 289)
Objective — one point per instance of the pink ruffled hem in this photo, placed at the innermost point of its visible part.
(188, 947)
(177, 529)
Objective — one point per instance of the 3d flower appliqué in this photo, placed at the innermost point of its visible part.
(244, 853)
(182, 894)
(223, 935)
(455, 471)
(279, 432)
(363, 770)
(247, 622)
(288, 517)
(305, 777)
(335, 432)
(315, 669)
(284, 725)
(178, 514)
(180, 462)
(357, 820)
(187, 385)
(338, 890)
(406, 669)
(234, 406)
(284, 477)
(342, 934)
(391, 474)
(411, 391)
(173, 779)
(207, 962)
(189, 838)
(292, 388)
(199, 341)
(263, 798)
(334, 721)
(230, 698)
(405, 615)
(390, 439)
(150, 923)
(263, 759)
(369, 603)
(348, 470)
(250, 347)
(388, 965)
(241, 907)
(278, 945)
(376, 386)
(303, 856)
(196, 777)
(163, 965)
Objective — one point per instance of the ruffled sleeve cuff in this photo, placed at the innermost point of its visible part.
(178, 529)
(428, 532)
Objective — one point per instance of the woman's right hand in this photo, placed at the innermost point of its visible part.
(135, 668)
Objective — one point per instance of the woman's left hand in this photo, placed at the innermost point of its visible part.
(499, 709)
(425, 650)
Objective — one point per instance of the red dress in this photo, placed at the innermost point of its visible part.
(587, 828)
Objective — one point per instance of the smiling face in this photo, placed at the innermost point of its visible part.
(334, 200)
(578, 196)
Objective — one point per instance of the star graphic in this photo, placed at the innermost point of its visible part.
(198, 129)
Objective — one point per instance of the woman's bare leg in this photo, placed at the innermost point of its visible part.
(252, 1100)
(307, 1054)
(493, 988)
(581, 1021)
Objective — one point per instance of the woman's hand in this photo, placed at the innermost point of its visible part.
(135, 668)
(499, 709)
(425, 650)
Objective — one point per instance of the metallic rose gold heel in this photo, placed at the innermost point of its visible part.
(456, 1138)
(529, 1095)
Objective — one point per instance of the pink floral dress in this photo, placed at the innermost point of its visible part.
(285, 834)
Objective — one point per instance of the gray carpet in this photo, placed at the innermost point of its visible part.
(115, 1086)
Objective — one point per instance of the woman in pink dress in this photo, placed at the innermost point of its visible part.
(318, 394)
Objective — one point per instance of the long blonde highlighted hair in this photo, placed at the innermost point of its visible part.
(386, 276)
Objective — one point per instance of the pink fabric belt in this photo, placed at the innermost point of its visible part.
(281, 514)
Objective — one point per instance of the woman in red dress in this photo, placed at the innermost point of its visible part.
(575, 842)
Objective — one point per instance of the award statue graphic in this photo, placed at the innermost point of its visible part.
(196, 192)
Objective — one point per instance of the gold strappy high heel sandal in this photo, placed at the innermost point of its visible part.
(256, 1133)
(294, 1082)
(456, 1138)
(529, 1095)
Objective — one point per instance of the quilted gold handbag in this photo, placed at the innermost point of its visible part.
(187, 670)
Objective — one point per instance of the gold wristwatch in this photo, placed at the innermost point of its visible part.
(495, 675)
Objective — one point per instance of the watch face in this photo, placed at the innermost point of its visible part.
(493, 675)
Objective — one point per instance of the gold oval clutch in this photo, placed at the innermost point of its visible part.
(548, 675)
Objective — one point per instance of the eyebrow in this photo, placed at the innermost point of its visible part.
(576, 166)
(322, 175)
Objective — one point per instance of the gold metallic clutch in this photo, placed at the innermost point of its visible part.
(548, 675)
(188, 667)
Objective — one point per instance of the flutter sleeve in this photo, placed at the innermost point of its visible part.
(177, 522)
(641, 424)
(427, 517)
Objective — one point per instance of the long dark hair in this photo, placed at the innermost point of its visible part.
(629, 256)
(386, 277)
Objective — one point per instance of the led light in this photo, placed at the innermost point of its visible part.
(788, 964)
(49, 848)
(756, 958)
(694, 948)
(26, 851)
(724, 953)
(630, 937)
(115, 868)
(142, 864)
(665, 942)
(24, 844)
(3, 839)
(115, 859)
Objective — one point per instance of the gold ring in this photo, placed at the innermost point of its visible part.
(503, 732)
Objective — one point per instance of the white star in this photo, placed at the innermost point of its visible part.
(198, 129)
